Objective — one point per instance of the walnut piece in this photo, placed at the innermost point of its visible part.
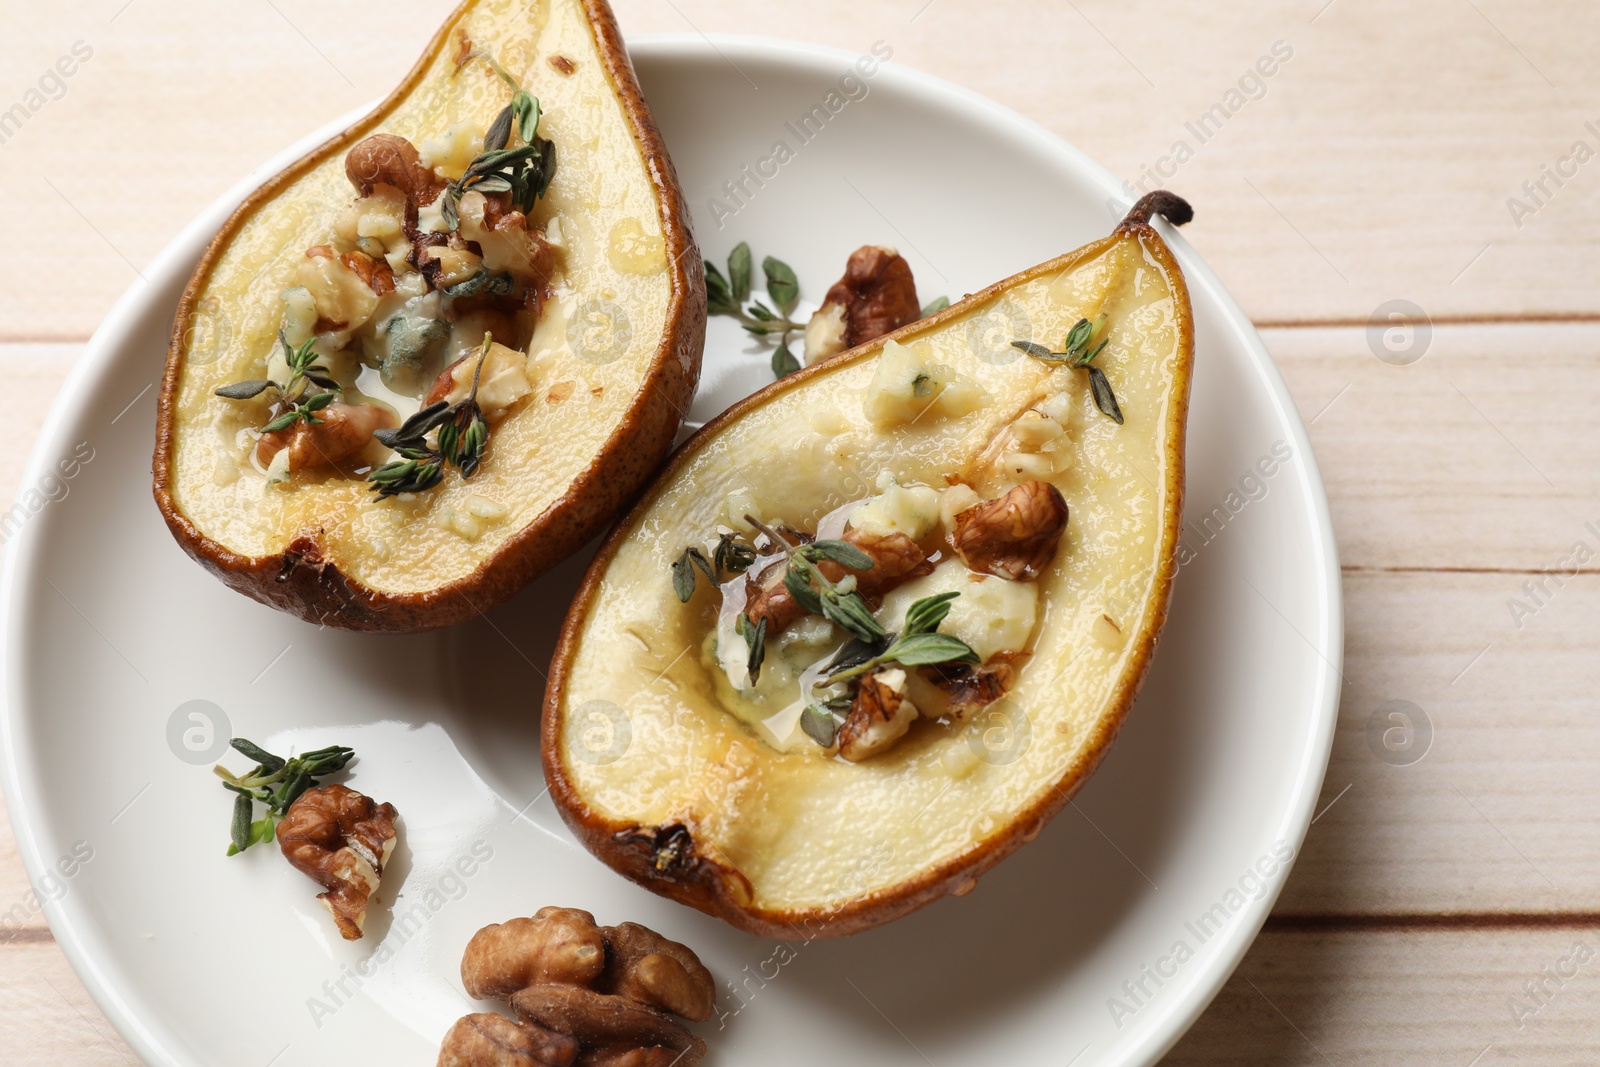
(389, 159)
(970, 687)
(896, 559)
(1013, 536)
(490, 1040)
(606, 1021)
(585, 995)
(644, 966)
(880, 715)
(343, 430)
(877, 295)
(341, 839)
(556, 945)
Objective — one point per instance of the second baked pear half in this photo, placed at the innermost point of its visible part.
(877, 623)
(438, 354)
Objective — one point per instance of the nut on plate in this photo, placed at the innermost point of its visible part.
(341, 839)
(877, 295)
(490, 1040)
(594, 996)
(556, 945)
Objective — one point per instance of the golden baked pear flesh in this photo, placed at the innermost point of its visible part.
(438, 354)
(877, 623)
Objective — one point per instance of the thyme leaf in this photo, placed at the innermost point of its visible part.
(783, 361)
(754, 636)
(821, 720)
(245, 390)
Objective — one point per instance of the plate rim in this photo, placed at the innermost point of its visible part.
(79, 936)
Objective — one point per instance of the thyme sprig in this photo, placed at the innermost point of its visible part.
(1077, 353)
(918, 644)
(292, 404)
(730, 295)
(524, 171)
(731, 557)
(461, 434)
(838, 602)
(274, 782)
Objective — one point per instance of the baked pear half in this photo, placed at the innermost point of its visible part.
(439, 353)
(874, 625)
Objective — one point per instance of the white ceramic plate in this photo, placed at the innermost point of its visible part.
(1097, 944)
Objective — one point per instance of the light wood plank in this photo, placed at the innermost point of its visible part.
(1498, 816)
(1353, 999)
(21, 916)
(1308, 207)
(49, 1017)
(30, 378)
(1480, 455)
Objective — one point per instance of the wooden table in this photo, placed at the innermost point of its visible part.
(1384, 159)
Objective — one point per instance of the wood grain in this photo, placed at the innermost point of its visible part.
(1478, 456)
(49, 1017)
(1359, 999)
(1309, 206)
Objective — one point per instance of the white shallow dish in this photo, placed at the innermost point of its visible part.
(1066, 953)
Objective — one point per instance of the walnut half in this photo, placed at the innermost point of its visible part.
(342, 840)
(556, 945)
(584, 995)
(877, 295)
(1013, 536)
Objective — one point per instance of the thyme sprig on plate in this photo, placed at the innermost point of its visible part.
(1078, 354)
(292, 404)
(918, 644)
(274, 782)
(461, 434)
(524, 171)
(730, 295)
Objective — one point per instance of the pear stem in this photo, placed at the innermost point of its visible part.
(1161, 202)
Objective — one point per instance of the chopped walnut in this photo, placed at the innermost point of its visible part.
(880, 716)
(343, 430)
(895, 559)
(342, 840)
(377, 273)
(584, 995)
(970, 687)
(1013, 536)
(877, 295)
(490, 1040)
(556, 945)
